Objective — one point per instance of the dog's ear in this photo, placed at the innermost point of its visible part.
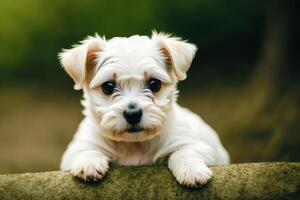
(178, 52)
(79, 61)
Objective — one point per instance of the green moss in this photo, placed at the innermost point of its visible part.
(237, 181)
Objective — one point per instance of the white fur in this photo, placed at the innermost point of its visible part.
(170, 131)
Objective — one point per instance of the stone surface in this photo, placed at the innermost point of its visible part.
(236, 181)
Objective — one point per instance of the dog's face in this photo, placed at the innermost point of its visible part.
(129, 83)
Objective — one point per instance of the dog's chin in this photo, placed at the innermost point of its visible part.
(131, 134)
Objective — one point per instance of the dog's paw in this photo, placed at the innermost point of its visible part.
(193, 175)
(90, 169)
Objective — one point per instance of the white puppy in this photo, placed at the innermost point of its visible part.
(131, 114)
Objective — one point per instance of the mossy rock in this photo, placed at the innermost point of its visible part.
(237, 181)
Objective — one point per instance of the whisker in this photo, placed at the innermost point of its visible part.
(148, 94)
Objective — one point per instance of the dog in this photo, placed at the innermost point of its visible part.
(131, 114)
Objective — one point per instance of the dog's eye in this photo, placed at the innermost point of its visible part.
(108, 87)
(154, 85)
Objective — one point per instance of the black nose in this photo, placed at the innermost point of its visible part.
(133, 114)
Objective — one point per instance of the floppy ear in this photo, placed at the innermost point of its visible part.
(79, 61)
(180, 53)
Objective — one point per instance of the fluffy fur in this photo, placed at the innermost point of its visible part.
(170, 132)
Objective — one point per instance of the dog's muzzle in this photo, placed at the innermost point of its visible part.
(133, 115)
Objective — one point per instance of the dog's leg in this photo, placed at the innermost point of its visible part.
(189, 163)
(89, 165)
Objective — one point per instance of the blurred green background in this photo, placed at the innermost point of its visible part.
(244, 81)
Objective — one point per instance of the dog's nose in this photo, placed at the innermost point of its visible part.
(133, 114)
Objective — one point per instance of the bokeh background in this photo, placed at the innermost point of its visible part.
(244, 81)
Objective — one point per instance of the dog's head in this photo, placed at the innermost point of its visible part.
(129, 83)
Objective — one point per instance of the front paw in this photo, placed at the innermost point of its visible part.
(90, 169)
(192, 175)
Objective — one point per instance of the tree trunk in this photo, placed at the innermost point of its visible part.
(238, 181)
(272, 59)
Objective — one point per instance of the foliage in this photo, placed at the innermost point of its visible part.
(33, 32)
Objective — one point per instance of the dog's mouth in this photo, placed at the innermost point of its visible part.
(134, 129)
